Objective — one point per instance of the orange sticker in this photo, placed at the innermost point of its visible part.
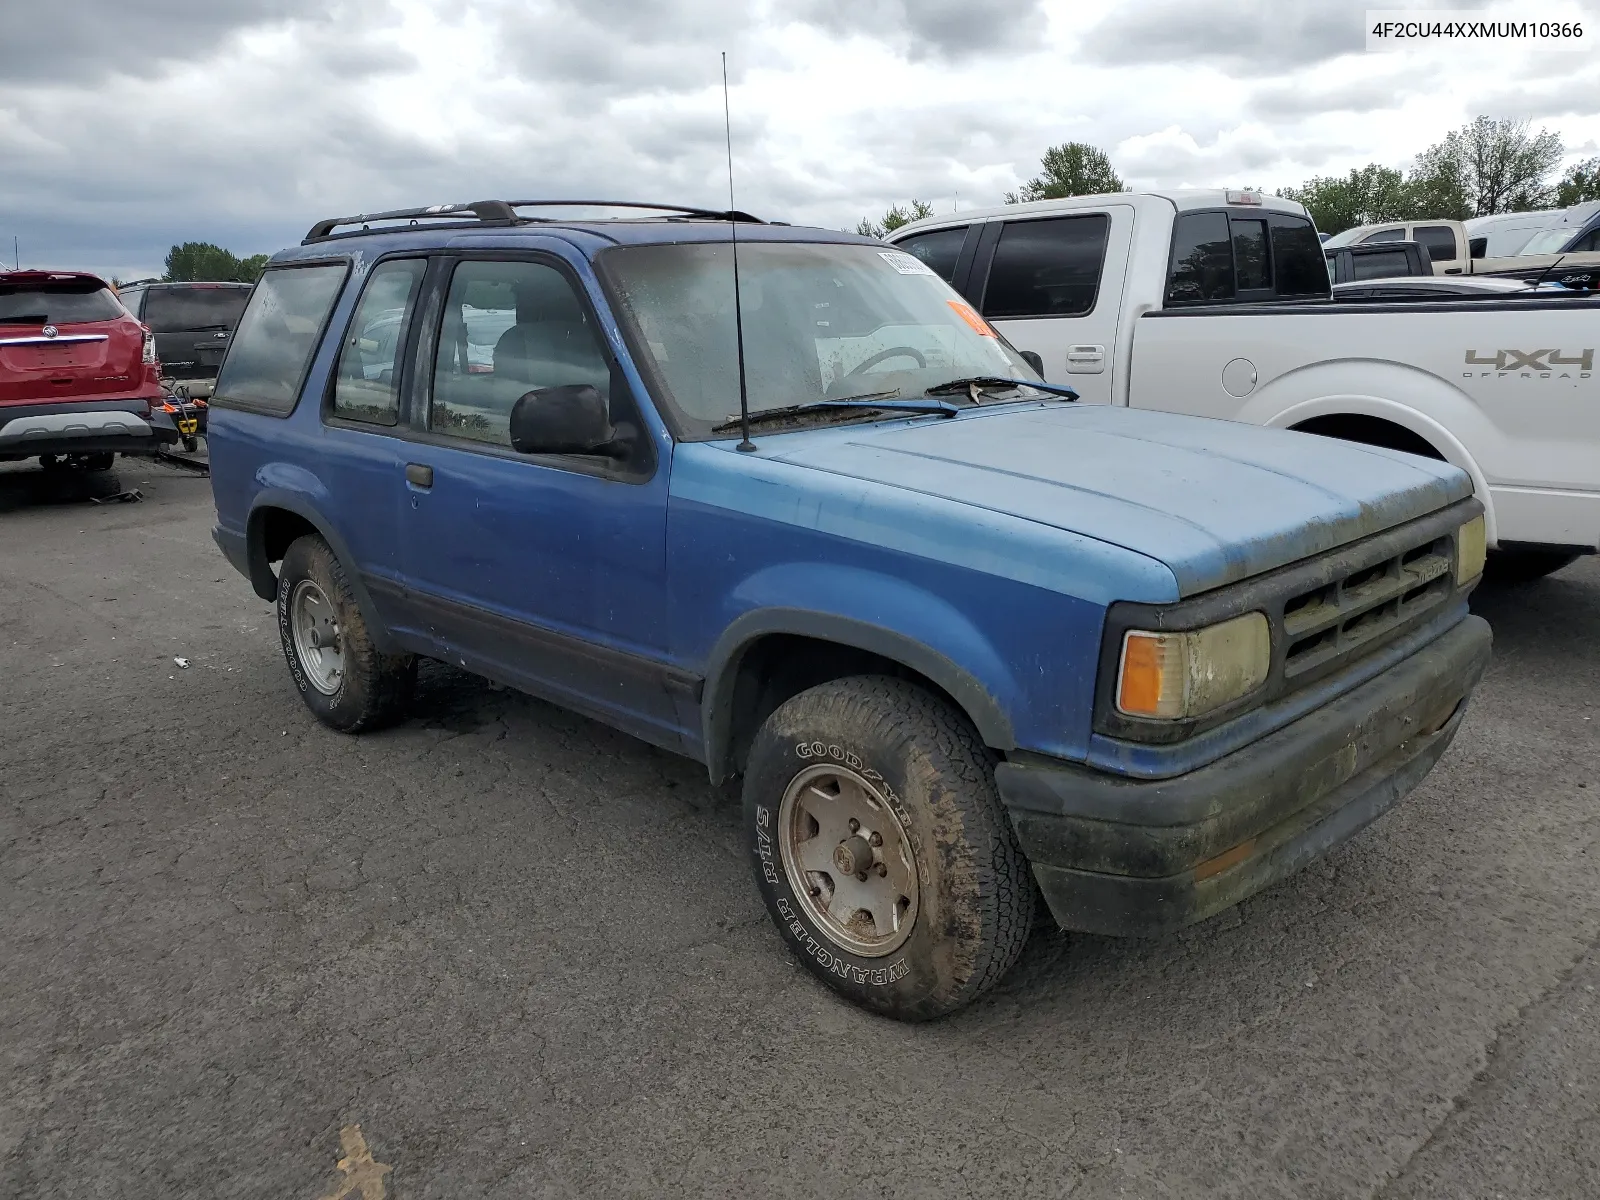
(970, 315)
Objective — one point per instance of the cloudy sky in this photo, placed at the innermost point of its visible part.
(128, 125)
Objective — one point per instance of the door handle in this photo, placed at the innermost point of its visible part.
(419, 476)
(1086, 360)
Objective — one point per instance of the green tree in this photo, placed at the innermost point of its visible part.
(1071, 169)
(1368, 194)
(1486, 167)
(1581, 183)
(202, 262)
(893, 219)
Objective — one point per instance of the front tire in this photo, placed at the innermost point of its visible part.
(341, 675)
(882, 849)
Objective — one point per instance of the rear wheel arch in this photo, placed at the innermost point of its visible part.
(275, 522)
(1371, 431)
(765, 658)
(1402, 422)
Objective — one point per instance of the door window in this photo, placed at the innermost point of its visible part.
(279, 332)
(507, 329)
(1588, 243)
(1385, 235)
(1383, 265)
(1047, 268)
(1438, 240)
(939, 249)
(1202, 260)
(367, 382)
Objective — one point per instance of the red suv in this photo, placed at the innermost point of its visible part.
(79, 380)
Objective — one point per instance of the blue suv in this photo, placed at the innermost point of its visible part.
(968, 643)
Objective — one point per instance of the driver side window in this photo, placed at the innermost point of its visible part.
(509, 328)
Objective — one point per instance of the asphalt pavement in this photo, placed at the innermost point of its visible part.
(524, 955)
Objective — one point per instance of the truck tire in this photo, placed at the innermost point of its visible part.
(881, 847)
(341, 676)
(1524, 566)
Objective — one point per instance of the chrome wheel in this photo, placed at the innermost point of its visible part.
(314, 624)
(850, 859)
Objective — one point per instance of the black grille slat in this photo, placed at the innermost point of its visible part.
(1349, 615)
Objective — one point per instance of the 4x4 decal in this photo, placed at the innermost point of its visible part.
(1545, 362)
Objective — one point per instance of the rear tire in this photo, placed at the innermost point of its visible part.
(94, 462)
(1524, 566)
(340, 674)
(882, 849)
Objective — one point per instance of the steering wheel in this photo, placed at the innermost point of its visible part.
(891, 352)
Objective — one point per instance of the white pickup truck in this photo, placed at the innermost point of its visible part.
(1216, 304)
(1558, 246)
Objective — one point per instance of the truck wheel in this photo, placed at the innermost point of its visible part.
(102, 461)
(342, 677)
(881, 847)
(1524, 566)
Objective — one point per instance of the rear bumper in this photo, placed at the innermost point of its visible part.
(1134, 858)
(82, 427)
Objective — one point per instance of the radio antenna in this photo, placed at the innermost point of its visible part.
(745, 445)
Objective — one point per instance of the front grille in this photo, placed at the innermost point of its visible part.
(1358, 611)
(1325, 612)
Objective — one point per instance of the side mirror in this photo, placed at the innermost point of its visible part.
(571, 419)
(1033, 359)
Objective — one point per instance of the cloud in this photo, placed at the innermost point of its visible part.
(948, 29)
(84, 40)
(1258, 35)
(1301, 98)
(244, 122)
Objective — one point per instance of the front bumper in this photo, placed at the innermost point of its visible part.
(89, 427)
(1129, 857)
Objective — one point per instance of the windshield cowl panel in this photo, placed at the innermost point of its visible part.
(822, 322)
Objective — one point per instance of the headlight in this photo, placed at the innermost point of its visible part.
(1173, 675)
(1472, 547)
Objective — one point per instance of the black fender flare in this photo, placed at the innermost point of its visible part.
(264, 580)
(722, 671)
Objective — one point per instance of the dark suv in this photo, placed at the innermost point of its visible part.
(969, 644)
(78, 375)
(192, 323)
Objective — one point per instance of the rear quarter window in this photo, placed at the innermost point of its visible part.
(281, 329)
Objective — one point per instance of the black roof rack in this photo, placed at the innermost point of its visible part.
(503, 212)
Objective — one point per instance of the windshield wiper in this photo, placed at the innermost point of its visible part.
(941, 408)
(989, 383)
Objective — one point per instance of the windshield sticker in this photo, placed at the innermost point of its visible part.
(970, 315)
(905, 263)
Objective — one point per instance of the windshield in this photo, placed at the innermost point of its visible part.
(1548, 241)
(179, 310)
(821, 322)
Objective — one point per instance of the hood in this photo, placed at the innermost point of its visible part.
(1216, 501)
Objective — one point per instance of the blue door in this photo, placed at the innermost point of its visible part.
(363, 454)
(547, 571)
